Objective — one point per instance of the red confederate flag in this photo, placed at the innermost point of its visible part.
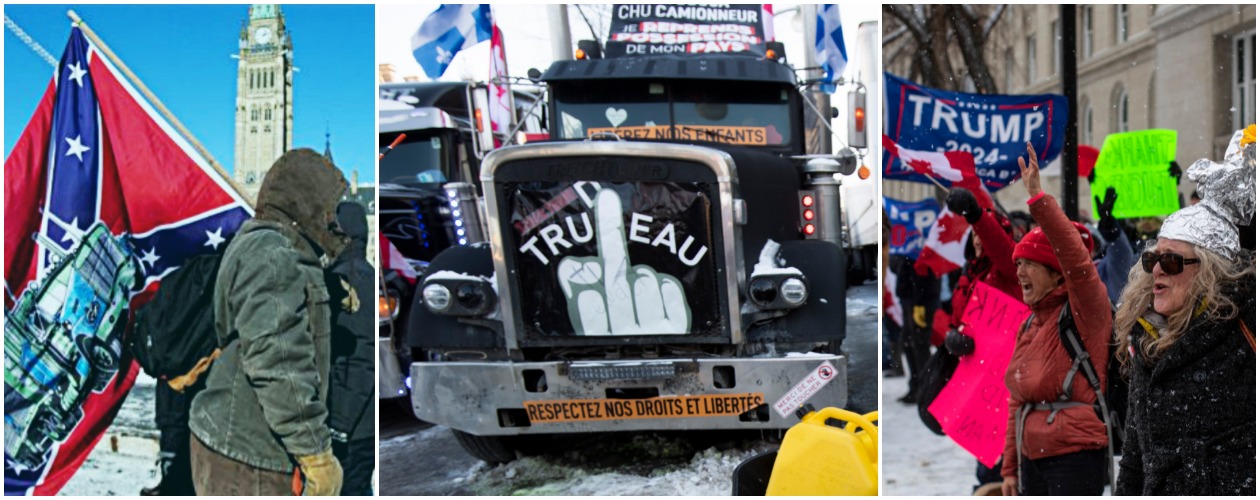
(951, 168)
(101, 200)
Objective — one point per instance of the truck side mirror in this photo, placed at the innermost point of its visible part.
(534, 75)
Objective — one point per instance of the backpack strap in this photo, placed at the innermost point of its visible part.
(1075, 347)
(1251, 338)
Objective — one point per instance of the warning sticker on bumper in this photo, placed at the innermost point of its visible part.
(805, 389)
(580, 410)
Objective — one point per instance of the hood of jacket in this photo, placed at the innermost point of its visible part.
(301, 190)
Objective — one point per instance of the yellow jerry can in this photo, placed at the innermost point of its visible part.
(824, 460)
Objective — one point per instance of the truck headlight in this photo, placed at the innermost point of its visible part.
(437, 297)
(793, 291)
(460, 296)
(763, 292)
(781, 290)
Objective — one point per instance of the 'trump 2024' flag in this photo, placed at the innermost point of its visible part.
(101, 200)
(448, 30)
(994, 129)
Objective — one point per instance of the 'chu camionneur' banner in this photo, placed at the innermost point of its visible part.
(994, 128)
(654, 29)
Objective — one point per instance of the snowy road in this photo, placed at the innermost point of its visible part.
(420, 460)
(917, 462)
(125, 460)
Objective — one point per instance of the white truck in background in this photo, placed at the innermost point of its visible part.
(859, 198)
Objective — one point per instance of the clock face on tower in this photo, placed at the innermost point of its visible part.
(263, 35)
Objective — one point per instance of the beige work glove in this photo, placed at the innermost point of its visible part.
(322, 474)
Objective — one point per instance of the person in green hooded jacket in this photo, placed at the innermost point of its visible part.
(259, 426)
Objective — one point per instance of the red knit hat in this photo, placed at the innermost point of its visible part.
(1036, 247)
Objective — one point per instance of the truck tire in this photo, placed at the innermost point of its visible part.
(493, 450)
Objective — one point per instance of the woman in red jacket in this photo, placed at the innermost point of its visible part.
(1055, 443)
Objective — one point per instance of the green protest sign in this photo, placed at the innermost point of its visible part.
(1136, 164)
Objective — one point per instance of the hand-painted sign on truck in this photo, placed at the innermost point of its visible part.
(655, 29)
(615, 258)
(993, 128)
(581, 410)
(743, 136)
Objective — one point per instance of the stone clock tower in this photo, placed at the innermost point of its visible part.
(264, 96)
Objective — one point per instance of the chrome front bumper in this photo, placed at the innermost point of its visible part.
(390, 380)
(580, 396)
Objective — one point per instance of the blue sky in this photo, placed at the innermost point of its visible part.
(182, 53)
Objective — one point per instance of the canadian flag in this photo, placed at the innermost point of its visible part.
(767, 21)
(945, 249)
(953, 168)
(391, 258)
(892, 305)
(500, 101)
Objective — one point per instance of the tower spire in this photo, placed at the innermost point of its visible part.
(328, 144)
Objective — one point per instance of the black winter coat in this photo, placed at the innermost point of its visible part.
(352, 373)
(1192, 413)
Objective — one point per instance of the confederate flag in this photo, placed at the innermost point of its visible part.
(101, 200)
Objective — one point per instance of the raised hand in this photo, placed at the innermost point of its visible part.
(962, 202)
(1108, 227)
(608, 296)
(1029, 173)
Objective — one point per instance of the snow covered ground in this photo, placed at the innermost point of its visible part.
(125, 460)
(917, 462)
(430, 462)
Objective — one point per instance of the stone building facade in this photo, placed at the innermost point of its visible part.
(1185, 67)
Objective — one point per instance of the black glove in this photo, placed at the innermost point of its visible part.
(1174, 171)
(959, 344)
(962, 202)
(1108, 226)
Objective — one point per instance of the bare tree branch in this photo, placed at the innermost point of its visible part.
(891, 37)
(994, 17)
(971, 45)
(589, 26)
(908, 21)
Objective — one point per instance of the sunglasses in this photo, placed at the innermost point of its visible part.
(1171, 263)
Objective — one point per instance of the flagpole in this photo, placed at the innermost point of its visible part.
(170, 117)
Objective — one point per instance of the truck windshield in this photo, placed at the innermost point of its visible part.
(748, 114)
(421, 158)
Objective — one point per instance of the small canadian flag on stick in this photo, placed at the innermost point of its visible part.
(945, 249)
(950, 168)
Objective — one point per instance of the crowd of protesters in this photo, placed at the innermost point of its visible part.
(1182, 295)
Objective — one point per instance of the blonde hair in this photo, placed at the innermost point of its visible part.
(1207, 293)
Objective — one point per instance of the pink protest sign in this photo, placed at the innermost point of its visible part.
(972, 408)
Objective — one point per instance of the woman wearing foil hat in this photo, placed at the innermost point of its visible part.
(1185, 330)
(1055, 443)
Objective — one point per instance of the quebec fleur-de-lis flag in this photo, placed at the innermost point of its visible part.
(101, 200)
